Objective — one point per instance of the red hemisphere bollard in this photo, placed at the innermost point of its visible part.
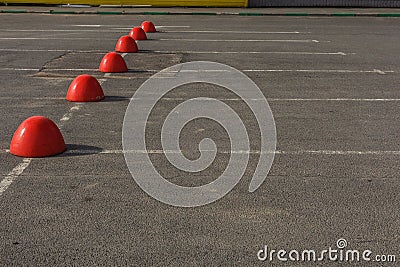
(138, 33)
(113, 62)
(85, 88)
(148, 26)
(37, 137)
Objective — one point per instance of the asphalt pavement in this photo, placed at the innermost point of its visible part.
(333, 87)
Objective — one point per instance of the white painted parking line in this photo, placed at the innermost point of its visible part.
(92, 28)
(374, 71)
(326, 71)
(340, 152)
(14, 174)
(298, 152)
(67, 116)
(230, 99)
(51, 50)
(215, 31)
(296, 99)
(19, 69)
(86, 25)
(336, 99)
(185, 52)
(168, 26)
(59, 30)
(24, 69)
(157, 27)
(66, 69)
(257, 52)
(243, 40)
(241, 32)
(19, 168)
(279, 152)
(54, 38)
(119, 27)
(57, 69)
(31, 98)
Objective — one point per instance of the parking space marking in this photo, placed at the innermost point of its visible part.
(58, 30)
(258, 52)
(374, 71)
(234, 99)
(19, 69)
(124, 30)
(281, 152)
(326, 71)
(21, 167)
(55, 38)
(298, 99)
(165, 39)
(11, 176)
(184, 52)
(244, 32)
(167, 26)
(85, 25)
(337, 99)
(67, 116)
(243, 40)
(115, 29)
(340, 152)
(51, 50)
(116, 26)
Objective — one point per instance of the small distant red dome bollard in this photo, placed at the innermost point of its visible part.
(138, 34)
(148, 26)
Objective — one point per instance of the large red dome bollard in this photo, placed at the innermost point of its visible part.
(37, 137)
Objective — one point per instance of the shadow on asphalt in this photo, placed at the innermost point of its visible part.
(80, 150)
(113, 98)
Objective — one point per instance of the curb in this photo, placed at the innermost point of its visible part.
(203, 13)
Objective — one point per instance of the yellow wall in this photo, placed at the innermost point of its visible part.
(211, 3)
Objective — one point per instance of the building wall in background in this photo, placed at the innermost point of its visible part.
(221, 3)
(160, 3)
(324, 3)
